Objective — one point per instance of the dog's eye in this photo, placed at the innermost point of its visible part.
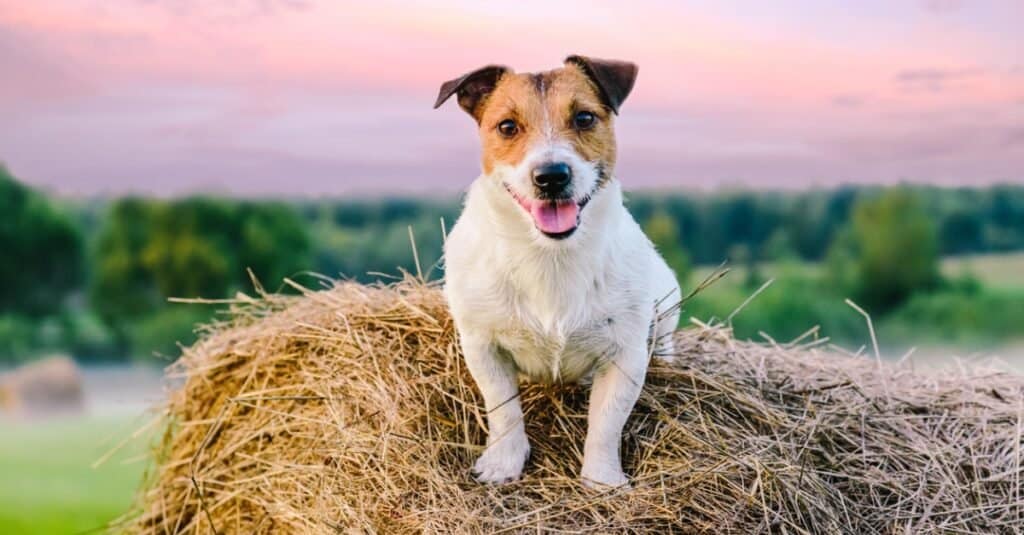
(583, 120)
(508, 128)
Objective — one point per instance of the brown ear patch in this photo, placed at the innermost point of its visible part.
(472, 88)
(613, 78)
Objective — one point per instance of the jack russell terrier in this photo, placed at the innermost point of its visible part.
(548, 276)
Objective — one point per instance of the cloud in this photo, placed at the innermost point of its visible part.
(35, 71)
(942, 6)
(934, 80)
(1015, 137)
(935, 140)
(234, 11)
(849, 101)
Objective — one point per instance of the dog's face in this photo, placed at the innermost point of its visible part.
(548, 138)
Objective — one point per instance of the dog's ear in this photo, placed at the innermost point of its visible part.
(472, 88)
(613, 78)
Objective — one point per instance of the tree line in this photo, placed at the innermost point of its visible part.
(94, 277)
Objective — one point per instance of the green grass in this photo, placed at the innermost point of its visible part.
(981, 315)
(981, 318)
(994, 270)
(47, 484)
(794, 303)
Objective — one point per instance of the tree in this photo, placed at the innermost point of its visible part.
(192, 248)
(664, 233)
(893, 246)
(961, 232)
(122, 285)
(42, 249)
(274, 242)
(149, 251)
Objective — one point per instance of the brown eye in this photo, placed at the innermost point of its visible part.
(508, 128)
(583, 120)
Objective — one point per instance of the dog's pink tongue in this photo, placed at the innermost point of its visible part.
(554, 218)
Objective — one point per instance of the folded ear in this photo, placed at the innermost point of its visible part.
(613, 78)
(472, 88)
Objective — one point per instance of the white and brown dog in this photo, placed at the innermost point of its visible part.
(547, 275)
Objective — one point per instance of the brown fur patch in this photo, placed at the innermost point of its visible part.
(544, 104)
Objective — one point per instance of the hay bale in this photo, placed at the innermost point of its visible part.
(49, 385)
(350, 410)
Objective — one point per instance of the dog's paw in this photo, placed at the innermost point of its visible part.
(600, 477)
(503, 461)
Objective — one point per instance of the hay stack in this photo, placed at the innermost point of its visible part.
(350, 410)
(47, 386)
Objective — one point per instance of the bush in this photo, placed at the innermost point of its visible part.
(789, 307)
(977, 317)
(662, 230)
(42, 251)
(160, 333)
(79, 333)
(87, 337)
(17, 338)
(892, 246)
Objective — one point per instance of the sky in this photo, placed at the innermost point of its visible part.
(307, 98)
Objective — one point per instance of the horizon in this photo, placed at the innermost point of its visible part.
(443, 196)
(277, 97)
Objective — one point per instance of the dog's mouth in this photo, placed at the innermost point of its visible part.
(555, 218)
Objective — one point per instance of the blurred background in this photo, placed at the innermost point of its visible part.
(153, 149)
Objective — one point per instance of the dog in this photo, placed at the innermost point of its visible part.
(547, 275)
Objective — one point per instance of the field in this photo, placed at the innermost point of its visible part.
(981, 307)
(995, 270)
(48, 484)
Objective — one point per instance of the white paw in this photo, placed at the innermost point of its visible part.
(600, 476)
(503, 460)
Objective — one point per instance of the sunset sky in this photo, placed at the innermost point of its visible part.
(305, 97)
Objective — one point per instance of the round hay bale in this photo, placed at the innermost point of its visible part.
(350, 410)
(49, 385)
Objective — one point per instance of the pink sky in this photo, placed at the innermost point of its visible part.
(299, 97)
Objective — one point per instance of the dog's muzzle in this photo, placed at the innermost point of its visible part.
(554, 211)
(552, 180)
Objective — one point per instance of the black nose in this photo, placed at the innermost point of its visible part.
(552, 177)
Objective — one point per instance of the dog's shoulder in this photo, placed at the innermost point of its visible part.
(467, 231)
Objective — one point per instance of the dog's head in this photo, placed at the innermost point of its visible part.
(548, 138)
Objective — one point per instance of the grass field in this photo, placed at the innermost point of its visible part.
(991, 316)
(47, 484)
(993, 270)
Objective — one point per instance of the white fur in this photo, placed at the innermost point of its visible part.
(555, 310)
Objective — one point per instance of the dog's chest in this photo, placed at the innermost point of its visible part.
(548, 358)
(557, 334)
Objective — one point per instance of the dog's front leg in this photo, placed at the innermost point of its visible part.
(615, 390)
(507, 445)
